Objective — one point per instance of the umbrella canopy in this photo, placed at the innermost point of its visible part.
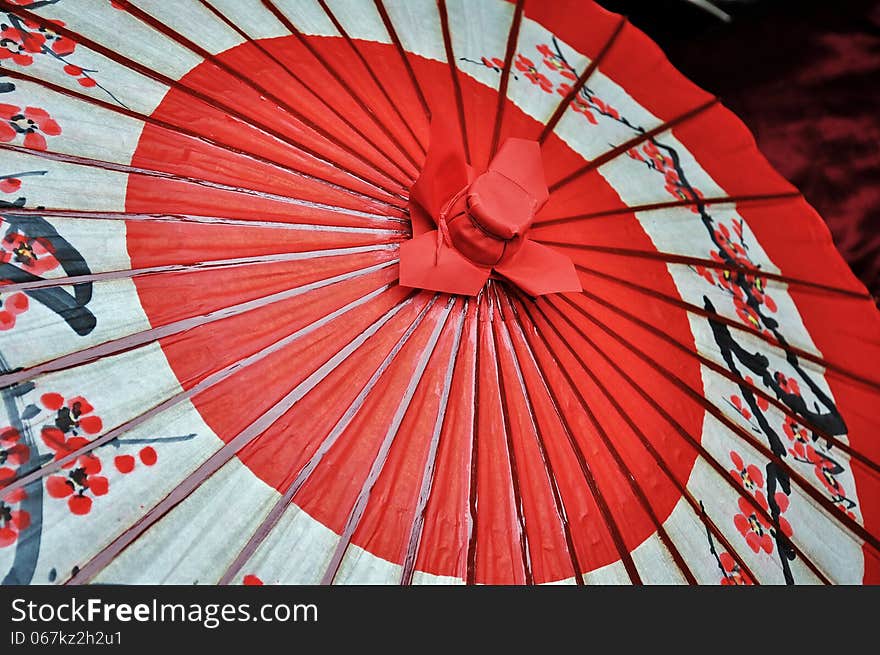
(353, 291)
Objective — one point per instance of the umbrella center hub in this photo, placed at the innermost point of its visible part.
(488, 221)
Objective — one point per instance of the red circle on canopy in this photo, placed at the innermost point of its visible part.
(331, 491)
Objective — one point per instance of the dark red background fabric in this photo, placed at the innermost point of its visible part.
(804, 75)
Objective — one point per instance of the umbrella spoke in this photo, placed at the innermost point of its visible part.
(626, 146)
(471, 568)
(674, 258)
(368, 227)
(47, 283)
(134, 170)
(453, 73)
(494, 313)
(689, 202)
(512, 38)
(395, 39)
(581, 81)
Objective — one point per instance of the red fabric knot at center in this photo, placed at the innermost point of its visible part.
(467, 227)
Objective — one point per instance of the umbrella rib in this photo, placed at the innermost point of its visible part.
(136, 170)
(552, 478)
(646, 444)
(177, 85)
(192, 134)
(225, 453)
(853, 527)
(378, 82)
(204, 219)
(626, 146)
(738, 380)
(416, 531)
(190, 45)
(512, 40)
(627, 474)
(233, 262)
(471, 567)
(296, 78)
(206, 383)
(674, 258)
(582, 80)
(271, 519)
(395, 39)
(115, 346)
(689, 202)
(511, 454)
(731, 323)
(453, 73)
(360, 506)
(365, 108)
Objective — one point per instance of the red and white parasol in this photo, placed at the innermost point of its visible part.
(404, 291)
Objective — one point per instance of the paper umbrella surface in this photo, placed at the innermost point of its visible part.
(411, 291)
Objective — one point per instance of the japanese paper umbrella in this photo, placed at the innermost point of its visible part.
(395, 291)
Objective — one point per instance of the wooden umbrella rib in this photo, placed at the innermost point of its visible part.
(512, 39)
(379, 84)
(626, 472)
(453, 73)
(670, 204)
(136, 170)
(395, 39)
(177, 85)
(626, 146)
(179, 38)
(225, 453)
(365, 107)
(471, 566)
(381, 457)
(416, 530)
(674, 258)
(731, 323)
(525, 553)
(205, 219)
(232, 262)
(582, 80)
(122, 344)
(283, 503)
(317, 97)
(203, 385)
